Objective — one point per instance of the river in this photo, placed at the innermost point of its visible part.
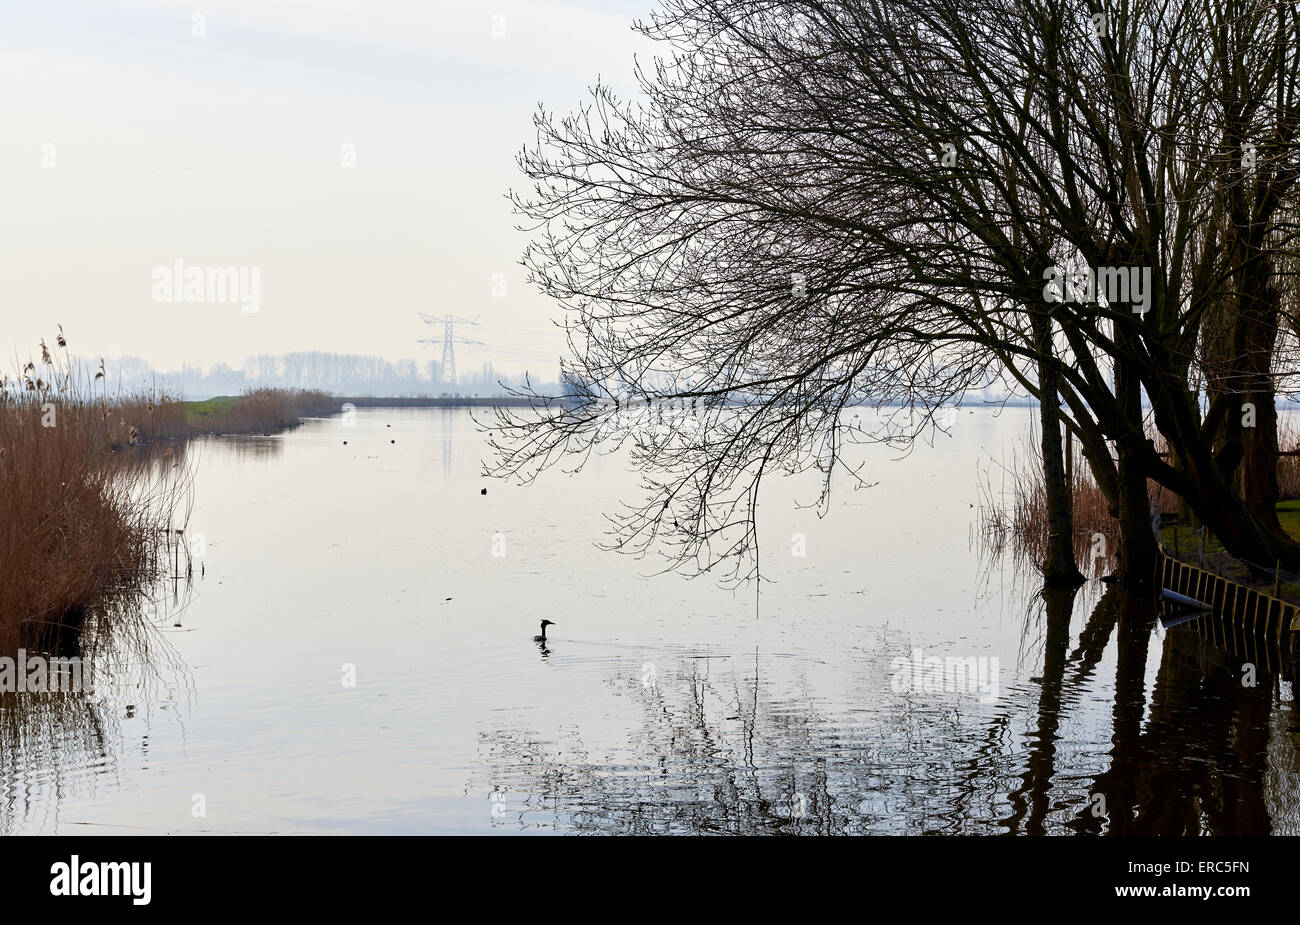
(355, 655)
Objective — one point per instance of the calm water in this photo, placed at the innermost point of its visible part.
(659, 704)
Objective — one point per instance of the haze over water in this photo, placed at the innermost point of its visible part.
(658, 704)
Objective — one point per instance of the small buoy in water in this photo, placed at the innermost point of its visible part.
(483, 491)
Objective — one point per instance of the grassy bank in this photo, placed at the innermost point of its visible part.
(261, 411)
(1184, 542)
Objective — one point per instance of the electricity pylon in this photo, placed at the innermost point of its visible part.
(447, 340)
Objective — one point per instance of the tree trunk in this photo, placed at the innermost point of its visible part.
(1138, 552)
(1059, 565)
(1241, 533)
(1258, 323)
(1206, 484)
(1240, 335)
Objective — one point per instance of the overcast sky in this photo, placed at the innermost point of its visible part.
(127, 142)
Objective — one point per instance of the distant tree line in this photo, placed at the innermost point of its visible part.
(340, 373)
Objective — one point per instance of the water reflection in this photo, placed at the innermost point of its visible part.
(238, 447)
(1192, 751)
(446, 421)
(366, 554)
(701, 748)
(58, 745)
(1190, 758)
(1031, 800)
(45, 738)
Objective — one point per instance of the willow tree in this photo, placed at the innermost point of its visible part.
(813, 205)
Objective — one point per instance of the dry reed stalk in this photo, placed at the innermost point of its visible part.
(1014, 519)
(86, 498)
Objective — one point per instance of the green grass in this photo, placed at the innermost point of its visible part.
(201, 412)
(260, 411)
(1184, 541)
(1288, 513)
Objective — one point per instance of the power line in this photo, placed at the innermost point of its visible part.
(448, 341)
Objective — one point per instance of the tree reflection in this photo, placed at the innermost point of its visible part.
(1197, 764)
(1190, 749)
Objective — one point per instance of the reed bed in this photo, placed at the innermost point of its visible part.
(92, 487)
(88, 502)
(258, 411)
(95, 489)
(1013, 516)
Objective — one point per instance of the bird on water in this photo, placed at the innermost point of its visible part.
(542, 638)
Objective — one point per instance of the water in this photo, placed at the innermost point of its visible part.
(658, 704)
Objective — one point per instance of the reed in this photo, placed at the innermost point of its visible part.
(91, 486)
(263, 411)
(88, 500)
(1013, 517)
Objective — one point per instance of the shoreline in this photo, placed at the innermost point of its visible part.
(370, 401)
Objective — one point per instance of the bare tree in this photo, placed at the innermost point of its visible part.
(821, 204)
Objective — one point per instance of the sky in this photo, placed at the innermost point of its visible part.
(353, 156)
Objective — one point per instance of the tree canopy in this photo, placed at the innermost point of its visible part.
(816, 205)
